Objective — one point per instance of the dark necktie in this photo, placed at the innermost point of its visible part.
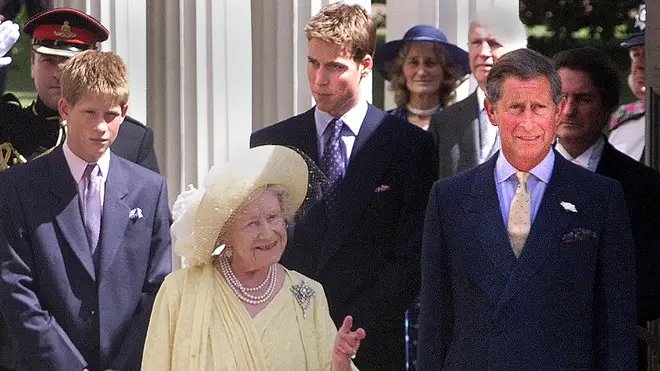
(92, 204)
(333, 162)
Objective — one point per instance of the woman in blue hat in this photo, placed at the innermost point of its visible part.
(424, 69)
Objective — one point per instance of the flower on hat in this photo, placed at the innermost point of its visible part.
(183, 212)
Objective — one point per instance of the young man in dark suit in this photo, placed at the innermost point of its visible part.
(590, 81)
(362, 242)
(528, 259)
(86, 240)
(57, 35)
(462, 132)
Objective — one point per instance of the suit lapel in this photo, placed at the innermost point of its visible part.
(66, 209)
(303, 135)
(115, 214)
(372, 119)
(369, 159)
(547, 230)
(486, 219)
(607, 161)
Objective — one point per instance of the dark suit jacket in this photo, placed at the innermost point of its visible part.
(568, 302)
(641, 188)
(64, 308)
(135, 142)
(365, 252)
(455, 131)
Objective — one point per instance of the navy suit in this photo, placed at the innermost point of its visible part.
(365, 251)
(64, 308)
(568, 302)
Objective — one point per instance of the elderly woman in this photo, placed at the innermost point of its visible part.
(424, 69)
(235, 307)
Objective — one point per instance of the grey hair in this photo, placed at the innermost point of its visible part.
(504, 25)
(524, 64)
(285, 201)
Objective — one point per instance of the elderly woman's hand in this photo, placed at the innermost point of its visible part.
(346, 346)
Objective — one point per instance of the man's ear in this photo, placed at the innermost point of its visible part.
(560, 109)
(366, 65)
(124, 110)
(490, 111)
(64, 108)
(32, 62)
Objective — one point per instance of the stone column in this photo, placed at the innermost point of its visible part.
(199, 82)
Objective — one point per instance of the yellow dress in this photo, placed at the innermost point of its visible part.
(198, 323)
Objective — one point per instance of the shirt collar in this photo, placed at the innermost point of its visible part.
(352, 119)
(481, 95)
(542, 171)
(77, 165)
(586, 158)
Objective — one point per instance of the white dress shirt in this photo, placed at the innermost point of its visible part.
(488, 134)
(352, 121)
(588, 159)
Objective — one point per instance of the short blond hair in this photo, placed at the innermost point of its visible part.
(95, 72)
(347, 25)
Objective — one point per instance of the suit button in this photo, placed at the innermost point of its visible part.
(92, 312)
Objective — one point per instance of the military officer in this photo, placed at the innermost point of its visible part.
(58, 34)
(628, 123)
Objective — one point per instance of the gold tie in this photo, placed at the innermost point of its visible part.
(519, 214)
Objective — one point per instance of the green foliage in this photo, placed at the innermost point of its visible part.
(556, 25)
(598, 18)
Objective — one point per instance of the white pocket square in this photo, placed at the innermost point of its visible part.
(135, 214)
(568, 206)
(382, 188)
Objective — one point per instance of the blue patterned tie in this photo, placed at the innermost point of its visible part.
(333, 162)
(92, 204)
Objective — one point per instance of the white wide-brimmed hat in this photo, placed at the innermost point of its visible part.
(225, 189)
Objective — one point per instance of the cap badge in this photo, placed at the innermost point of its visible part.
(65, 31)
(640, 18)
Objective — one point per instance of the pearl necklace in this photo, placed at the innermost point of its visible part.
(243, 292)
(422, 112)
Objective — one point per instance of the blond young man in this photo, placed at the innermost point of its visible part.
(362, 241)
(87, 245)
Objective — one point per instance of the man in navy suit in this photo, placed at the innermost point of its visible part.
(363, 241)
(86, 240)
(527, 260)
(590, 81)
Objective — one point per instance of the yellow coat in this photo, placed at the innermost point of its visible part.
(198, 323)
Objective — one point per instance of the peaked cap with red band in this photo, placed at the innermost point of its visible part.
(64, 32)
